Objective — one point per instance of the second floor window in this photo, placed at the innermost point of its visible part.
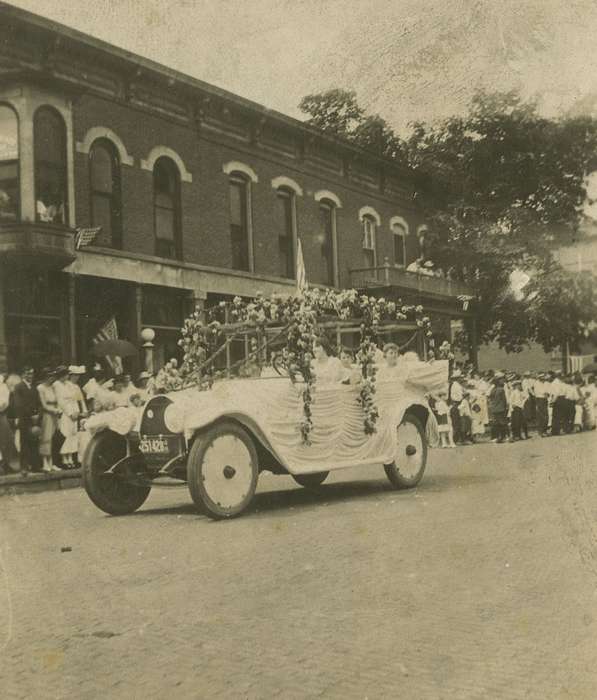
(105, 192)
(49, 147)
(166, 209)
(285, 223)
(369, 231)
(239, 222)
(9, 164)
(327, 214)
(399, 235)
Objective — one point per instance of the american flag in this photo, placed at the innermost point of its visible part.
(301, 272)
(109, 331)
(86, 236)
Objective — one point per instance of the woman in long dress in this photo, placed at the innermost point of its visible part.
(49, 419)
(70, 398)
(327, 369)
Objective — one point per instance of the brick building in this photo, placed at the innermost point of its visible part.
(199, 193)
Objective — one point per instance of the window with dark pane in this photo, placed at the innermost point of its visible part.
(369, 227)
(9, 164)
(166, 208)
(399, 245)
(49, 137)
(327, 213)
(239, 234)
(105, 192)
(285, 225)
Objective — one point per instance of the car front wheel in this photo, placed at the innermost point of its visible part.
(222, 470)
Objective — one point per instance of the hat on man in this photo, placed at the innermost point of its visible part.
(76, 369)
(144, 375)
(428, 263)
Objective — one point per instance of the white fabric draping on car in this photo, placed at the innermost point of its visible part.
(273, 409)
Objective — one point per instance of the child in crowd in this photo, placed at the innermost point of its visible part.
(466, 419)
(442, 414)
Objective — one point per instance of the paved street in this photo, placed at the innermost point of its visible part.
(480, 584)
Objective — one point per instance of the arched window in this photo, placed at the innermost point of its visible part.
(369, 238)
(286, 225)
(166, 209)
(399, 236)
(105, 191)
(327, 218)
(49, 139)
(240, 221)
(9, 164)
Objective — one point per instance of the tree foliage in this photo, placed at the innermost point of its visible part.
(503, 187)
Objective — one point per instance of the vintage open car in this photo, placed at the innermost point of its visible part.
(219, 440)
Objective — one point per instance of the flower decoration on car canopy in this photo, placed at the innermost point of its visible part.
(207, 333)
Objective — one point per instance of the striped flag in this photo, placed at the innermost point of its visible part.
(301, 273)
(86, 236)
(109, 331)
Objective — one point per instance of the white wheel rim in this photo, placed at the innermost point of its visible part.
(227, 472)
(409, 455)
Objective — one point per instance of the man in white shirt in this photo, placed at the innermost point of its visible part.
(541, 389)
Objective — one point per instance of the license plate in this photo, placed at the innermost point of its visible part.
(154, 446)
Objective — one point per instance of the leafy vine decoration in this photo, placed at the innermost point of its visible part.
(203, 338)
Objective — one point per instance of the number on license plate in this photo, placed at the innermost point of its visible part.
(154, 445)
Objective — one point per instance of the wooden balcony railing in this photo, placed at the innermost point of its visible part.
(387, 276)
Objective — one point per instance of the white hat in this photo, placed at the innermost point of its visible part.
(145, 375)
(76, 369)
(429, 263)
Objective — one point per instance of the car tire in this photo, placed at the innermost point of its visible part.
(311, 481)
(408, 467)
(110, 492)
(222, 470)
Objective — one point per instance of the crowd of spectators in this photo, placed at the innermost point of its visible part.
(506, 406)
(42, 415)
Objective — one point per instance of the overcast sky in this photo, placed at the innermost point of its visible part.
(407, 59)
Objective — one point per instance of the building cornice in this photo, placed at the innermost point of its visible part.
(193, 90)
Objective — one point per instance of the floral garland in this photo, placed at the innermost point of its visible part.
(202, 334)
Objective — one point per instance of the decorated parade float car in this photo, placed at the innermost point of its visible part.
(283, 406)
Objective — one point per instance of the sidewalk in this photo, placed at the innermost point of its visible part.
(13, 484)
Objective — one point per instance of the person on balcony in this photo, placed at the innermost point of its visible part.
(416, 265)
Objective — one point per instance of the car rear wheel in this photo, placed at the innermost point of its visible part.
(109, 491)
(310, 481)
(411, 454)
(223, 470)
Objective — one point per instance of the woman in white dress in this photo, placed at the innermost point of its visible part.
(351, 373)
(72, 404)
(49, 419)
(327, 369)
